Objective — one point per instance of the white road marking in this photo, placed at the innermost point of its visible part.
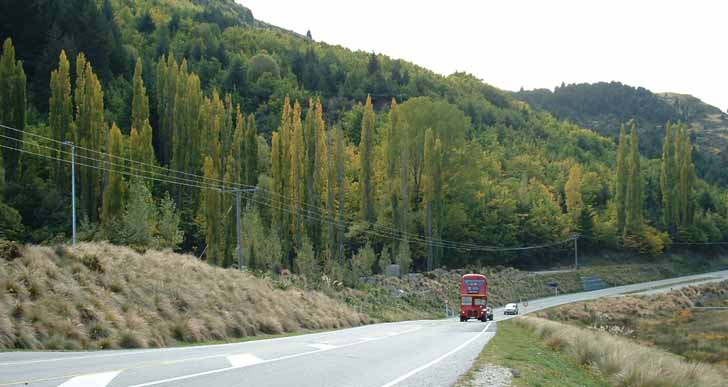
(439, 359)
(190, 376)
(323, 347)
(243, 360)
(91, 380)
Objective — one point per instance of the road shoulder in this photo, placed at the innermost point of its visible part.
(528, 362)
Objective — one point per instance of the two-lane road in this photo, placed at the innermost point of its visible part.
(410, 353)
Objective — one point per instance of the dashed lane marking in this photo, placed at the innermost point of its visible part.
(324, 347)
(243, 360)
(91, 380)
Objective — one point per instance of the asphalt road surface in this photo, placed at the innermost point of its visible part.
(410, 353)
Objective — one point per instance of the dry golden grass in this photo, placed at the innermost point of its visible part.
(624, 362)
(105, 296)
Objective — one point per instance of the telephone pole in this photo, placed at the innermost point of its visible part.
(576, 252)
(238, 193)
(73, 190)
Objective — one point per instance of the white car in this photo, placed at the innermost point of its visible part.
(510, 309)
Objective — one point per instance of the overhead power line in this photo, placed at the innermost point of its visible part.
(149, 171)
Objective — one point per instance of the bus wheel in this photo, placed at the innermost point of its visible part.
(463, 319)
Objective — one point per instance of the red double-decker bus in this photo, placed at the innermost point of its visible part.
(474, 298)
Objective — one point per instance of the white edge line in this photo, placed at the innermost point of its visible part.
(439, 359)
(190, 376)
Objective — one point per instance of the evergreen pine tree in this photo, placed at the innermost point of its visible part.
(169, 233)
(140, 216)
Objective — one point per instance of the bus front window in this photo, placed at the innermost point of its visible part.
(467, 301)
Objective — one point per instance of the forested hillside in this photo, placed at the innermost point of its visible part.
(604, 106)
(359, 160)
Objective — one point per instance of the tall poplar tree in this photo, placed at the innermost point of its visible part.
(297, 179)
(90, 134)
(60, 116)
(112, 200)
(339, 152)
(188, 149)
(633, 221)
(251, 152)
(12, 108)
(621, 181)
(167, 79)
(366, 168)
(574, 200)
(432, 187)
(668, 181)
(391, 147)
(686, 177)
(277, 175)
(403, 258)
(329, 198)
(280, 171)
(315, 174)
(210, 212)
(141, 134)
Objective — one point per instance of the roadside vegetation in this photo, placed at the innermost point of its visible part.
(619, 360)
(676, 321)
(530, 361)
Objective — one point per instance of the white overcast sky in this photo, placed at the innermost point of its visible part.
(677, 46)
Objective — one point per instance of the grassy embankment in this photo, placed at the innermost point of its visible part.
(548, 353)
(102, 296)
(669, 321)
(621, 361)
(519, 349)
